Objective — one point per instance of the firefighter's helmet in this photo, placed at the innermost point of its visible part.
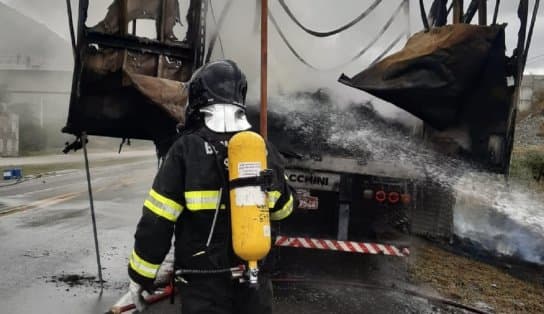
(217, 94)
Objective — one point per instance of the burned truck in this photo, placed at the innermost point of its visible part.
(455, 78)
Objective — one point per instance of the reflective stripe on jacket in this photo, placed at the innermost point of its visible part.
(182, 202)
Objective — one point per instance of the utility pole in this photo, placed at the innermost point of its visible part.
(264, 69)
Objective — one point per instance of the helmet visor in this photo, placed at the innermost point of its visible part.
(225, 118)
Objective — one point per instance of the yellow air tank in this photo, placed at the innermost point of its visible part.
(250, 218)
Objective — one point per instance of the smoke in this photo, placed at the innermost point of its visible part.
(507, 218)
(241, 38)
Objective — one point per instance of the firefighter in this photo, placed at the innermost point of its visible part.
(187, 201)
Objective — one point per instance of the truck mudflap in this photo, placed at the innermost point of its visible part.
(342, 246)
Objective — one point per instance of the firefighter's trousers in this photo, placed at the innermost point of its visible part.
(213, 294)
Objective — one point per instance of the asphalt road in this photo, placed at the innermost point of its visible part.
(48, 263)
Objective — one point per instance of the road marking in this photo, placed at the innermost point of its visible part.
(41, 203)
(64, 197)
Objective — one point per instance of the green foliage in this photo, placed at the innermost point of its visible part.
(528, 166)
(535, 163)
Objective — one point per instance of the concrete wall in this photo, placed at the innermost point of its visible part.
(44, 94)
(9, 134)
(531, 86)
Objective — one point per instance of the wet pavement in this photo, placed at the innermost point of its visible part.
(48, 262)
(50, 235)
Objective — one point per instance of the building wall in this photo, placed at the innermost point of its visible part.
(9, 134)
(531, 86)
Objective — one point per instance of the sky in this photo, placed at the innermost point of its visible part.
(241, 40)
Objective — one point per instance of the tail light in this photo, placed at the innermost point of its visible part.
(368, 194)
(406, 198)
(381, 196)
(393, 197)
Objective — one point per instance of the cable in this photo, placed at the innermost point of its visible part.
(357, 56)
(496, 13)
(218, 25)
(216, 34)
(334, 31)
(534, 59)
(438, 14)
(471, 11)
(424, 15)
(388, 49)
(214, 221)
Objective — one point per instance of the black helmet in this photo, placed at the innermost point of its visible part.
(218, 82)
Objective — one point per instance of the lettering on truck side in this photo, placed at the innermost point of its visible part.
(309, 179)
(316, 181)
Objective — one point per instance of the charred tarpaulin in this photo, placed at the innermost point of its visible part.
(454, 78)
(132, 87)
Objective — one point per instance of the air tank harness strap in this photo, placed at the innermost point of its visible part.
(264, 180)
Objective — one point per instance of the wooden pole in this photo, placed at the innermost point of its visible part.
(264, 68)
(482, 12)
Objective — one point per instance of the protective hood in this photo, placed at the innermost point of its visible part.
(225, 118)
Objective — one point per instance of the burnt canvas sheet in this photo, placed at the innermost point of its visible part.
(127, 86)
(454, 78)
(436, 73)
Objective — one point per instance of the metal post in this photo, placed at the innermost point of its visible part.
(458, 11)
(71, 27)
(264, 68)
(123, 22)
(161, 38)
(482, 12)
(91, 202)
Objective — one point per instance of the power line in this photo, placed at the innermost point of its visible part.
(535, 58)
(357, 56)
(388, 49)
(218, 25)
(334, 31)
(217, 30)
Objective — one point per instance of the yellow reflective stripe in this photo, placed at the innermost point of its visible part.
(273, 197)
(284, 212)
(143, 267)
(166, 201)
(201, 200)
(163, 206)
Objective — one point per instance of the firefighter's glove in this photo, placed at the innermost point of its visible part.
(137, 295)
